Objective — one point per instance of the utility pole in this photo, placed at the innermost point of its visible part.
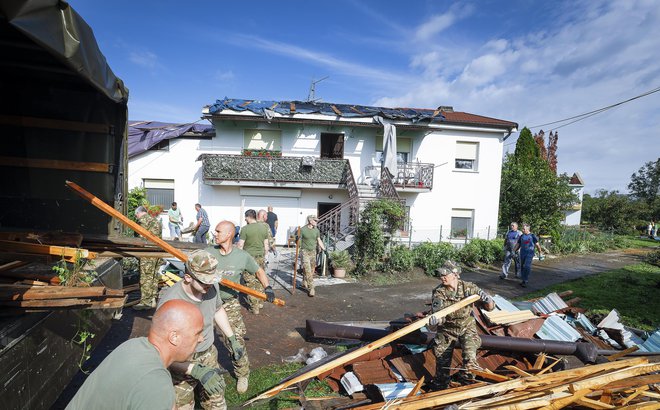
(311, 97)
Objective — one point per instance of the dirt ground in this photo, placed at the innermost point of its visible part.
(278, 332)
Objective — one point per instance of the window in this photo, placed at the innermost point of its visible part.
(160, 192)
(461, 223)
(270, 140)
(403, 149)
(466, 155)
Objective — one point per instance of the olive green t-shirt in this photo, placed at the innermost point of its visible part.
(231, 267)
(254, 235)
(133, 376)
(309, 237)
(209, 304)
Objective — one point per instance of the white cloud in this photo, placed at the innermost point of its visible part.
(145, 59)
(440, 22)
(224, 76)
(149, 110)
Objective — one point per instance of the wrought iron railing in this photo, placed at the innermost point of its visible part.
(387, 188)
(330, 223)
(414, 175)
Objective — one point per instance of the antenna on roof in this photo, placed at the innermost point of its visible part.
(312, 89)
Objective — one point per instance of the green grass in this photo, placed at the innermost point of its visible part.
(267, 377)
(637, 242)
(633, 290)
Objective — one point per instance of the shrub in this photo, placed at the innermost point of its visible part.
(379, 217)
(653, 258)
(341, 260)
(481, 251)
(430, 256)
(401, 259)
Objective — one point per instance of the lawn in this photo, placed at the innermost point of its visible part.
(638, 242)
(634, 291)
(270, 376)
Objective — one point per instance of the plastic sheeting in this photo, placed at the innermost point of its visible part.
(55, 26)
(264, 108)
(144, 135)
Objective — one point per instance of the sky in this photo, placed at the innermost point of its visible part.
(531, 62)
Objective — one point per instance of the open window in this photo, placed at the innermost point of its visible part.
(332, 146)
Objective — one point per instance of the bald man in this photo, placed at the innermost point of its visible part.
(232, 261)
(135, 375)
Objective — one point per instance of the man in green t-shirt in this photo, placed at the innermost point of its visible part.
(231, 264)
(310, 237)
(200, 287)
(254, 240)
(134, 375)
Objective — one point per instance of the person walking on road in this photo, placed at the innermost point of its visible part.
(231, 264)
(510, 241)
(175, 221)
(458, 327)
(310, 238)
(202, 226)
(134, 375)
(527, 243)
(200, 287)
(254, 240)
(148, 266)
(273, 223)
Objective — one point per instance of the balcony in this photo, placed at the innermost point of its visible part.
(290, 172)
(410, 177)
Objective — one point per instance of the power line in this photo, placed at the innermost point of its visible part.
(586, 115)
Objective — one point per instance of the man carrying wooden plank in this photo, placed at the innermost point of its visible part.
(148, 266)
(231, 264)
(459, 326)
(254, 240)
(200, 287)
(134, 375)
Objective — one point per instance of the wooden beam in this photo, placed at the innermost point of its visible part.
(336, 110)
(517, 371)
(12, 265)
(550, 366)
(107, 303)
(27, 292)
(417, 387)
(488, 375)
(593, 404)
(648, 405)
(540, 359)
(367, 348)
(637, 392)
(616, 375)
(61, 251)
(53, 124)
(55, 164)
(156, 240)
(563, 402)
(622, 353)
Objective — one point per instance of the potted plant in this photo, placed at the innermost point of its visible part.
(340, 261)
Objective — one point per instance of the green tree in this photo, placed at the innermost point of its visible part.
(531, 192)
(645, 183)
(610, 210)
(378, 221)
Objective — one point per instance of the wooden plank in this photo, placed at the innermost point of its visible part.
(55, 164)
(540, 359)
(53, 124)
(517, 371)
(44, 238)
(158, 241)
(367, 348)
(336, 110)
(593, 404)
(54, 250)
(488, 375)
(292, 107)
(72, 302)
(50, 278)
(550, 366)
(649, 405)
(417, 387)
(616, 375)
(12, 265)
(622, 353)
(15, 292)
(637, 392)
(651, 394)
(563, 402)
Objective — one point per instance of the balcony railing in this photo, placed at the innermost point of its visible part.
(238, 168)
(409, 175)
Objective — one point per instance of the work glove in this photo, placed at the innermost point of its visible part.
(485, 297)
(210, 378)
(236, 347)
(434, 322)
(270, 294)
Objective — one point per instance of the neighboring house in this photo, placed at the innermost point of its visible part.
(310, 158)
(573, 216)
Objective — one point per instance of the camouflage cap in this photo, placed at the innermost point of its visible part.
(312, 218)
(202, 265)
(447, 268)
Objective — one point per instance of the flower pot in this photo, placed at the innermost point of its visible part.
(339, 272)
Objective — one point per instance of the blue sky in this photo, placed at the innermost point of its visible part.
(531, 62)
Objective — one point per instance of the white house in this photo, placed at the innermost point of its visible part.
(307, 158)
(573, 216)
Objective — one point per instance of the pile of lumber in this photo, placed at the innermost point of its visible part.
(42, 296)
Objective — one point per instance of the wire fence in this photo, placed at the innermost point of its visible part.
(415, 235)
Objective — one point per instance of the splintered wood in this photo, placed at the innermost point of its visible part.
(616, 384)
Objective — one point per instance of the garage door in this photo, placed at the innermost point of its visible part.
(287, 210)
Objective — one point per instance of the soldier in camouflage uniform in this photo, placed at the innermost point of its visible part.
(200, 287)
(459, 326)
(254, 240)
(310, 238)
(148, 266)
(231, 264)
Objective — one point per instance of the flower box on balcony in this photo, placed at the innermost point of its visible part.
(261, 153)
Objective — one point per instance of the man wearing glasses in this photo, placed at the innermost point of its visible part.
(200, 287)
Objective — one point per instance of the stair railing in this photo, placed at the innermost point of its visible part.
(330, 223)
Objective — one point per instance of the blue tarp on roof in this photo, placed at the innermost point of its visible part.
(343, 110)
(143, 135)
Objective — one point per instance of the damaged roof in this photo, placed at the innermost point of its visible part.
(290, 109)
(142, 135)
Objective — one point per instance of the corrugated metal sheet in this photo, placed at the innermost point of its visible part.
(549, 304)
(582, 321)
(391, 391)
(554, 328)
(374, 371)
(617, 334)
(652, 344)
(503, 304)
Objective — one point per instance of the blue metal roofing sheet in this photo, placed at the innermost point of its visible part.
(652, 344)
(555, 328)
(549, 304)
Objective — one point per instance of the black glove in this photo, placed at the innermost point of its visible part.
(210, 378)
(270, 295)
(236, 346)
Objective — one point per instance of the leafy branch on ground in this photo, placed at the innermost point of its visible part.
(72, 273)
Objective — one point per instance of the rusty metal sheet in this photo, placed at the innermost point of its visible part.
(525, 329)
(374, 371)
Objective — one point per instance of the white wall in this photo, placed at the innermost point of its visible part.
(430, 211)
(574, 216)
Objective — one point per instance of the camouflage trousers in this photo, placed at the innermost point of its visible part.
(233, 309)
(443, 348)
(309, 265)
(252, 282)
(185, 386)
(149, 280)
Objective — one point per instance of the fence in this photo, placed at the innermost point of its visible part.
(417, 234)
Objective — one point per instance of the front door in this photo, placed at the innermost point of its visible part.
(332, 146)
(324, 207)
